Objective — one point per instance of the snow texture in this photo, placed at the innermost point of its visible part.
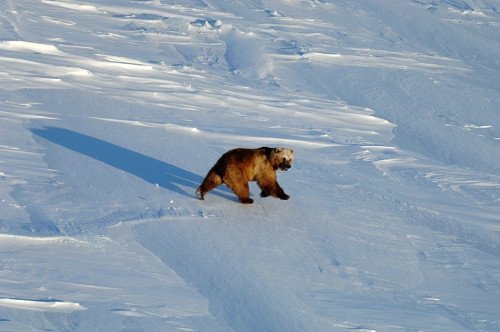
(112, 112)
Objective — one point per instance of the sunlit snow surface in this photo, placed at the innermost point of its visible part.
(112, 112)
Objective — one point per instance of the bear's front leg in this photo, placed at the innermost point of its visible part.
(241, 189)
(280, 193)
(275, 191)
(264, 193)
(247, 200)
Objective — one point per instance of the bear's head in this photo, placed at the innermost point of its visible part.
(282, 158)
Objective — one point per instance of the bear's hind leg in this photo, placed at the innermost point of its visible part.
(211, 181)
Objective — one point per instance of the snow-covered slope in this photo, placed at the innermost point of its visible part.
(112, 112)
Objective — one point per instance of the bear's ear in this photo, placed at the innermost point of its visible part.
(278, 150)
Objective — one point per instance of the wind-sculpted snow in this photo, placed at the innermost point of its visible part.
(111, 114)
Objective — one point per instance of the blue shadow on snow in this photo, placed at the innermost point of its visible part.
(149, 169)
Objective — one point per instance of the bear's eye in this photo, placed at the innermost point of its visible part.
(284, 159)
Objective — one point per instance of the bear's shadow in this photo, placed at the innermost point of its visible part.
(154, 171)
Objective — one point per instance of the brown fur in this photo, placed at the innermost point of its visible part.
(237, 167)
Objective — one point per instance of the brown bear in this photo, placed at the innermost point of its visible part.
(238, 166)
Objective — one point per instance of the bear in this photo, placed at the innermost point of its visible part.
(237, 167)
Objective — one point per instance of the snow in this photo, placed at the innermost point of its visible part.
(111, 113)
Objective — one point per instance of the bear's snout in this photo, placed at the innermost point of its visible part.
(285, 165)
